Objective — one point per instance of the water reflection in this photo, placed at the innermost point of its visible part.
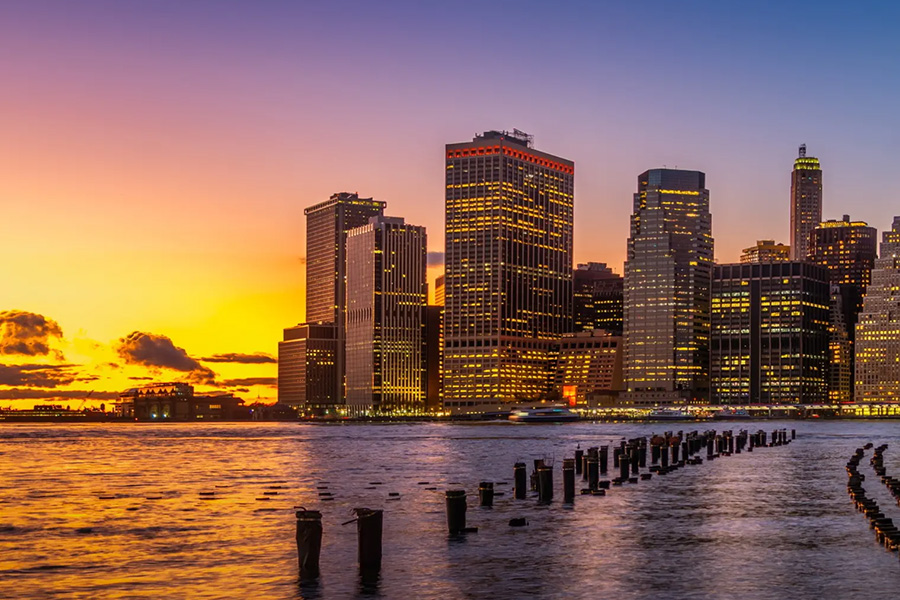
(206, 511)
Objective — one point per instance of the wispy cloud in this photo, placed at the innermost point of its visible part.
(236, 357)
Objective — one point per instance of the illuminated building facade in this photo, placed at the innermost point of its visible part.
(806, 202)
(588, 361)
(508, 268)
(848, 250)
(766, 251)
(878, 330)
(177, 402)
(770, 340)
(326, 226)
(387, 293)
(667, 289)
(307, 368)
(597, 293)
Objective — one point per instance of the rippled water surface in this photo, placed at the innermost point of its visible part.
(116, 511)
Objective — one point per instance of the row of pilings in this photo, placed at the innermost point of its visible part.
(886, 533)
(630, 462)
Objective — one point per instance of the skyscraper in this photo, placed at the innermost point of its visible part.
(806, 202)
(878, 329)
(508, 268)
(667, 289)
(326, 226)
(387, 292)
(769, 341)
(597, 298)
(848, 250)
(307, 373)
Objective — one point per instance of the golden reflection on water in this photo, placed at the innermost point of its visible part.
(207, 511)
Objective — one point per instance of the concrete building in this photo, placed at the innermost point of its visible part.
(177, 402)
(588, 362)
(667, 289)
(508, 268)
(806, 202)
(878, 330)
(770, 341)
(387, 293)
(434, 358)
(766, 251)
(598, 298)
(307, 369)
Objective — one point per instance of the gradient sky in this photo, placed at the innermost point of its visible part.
(156, 157)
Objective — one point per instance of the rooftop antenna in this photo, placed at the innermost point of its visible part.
(802, 150)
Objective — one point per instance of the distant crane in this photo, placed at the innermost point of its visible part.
(80, 406)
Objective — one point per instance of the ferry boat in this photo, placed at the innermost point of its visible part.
(543, 415)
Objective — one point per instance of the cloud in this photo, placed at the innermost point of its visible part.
(435, 259)
(32, 394)
(245, 381)
(151, 350)
(40, 376)
(236, 357)
(27, 333)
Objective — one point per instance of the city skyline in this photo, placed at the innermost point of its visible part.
(158, 195)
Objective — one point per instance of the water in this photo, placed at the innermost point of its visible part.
(773, 523)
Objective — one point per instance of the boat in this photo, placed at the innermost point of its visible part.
(732, 413)
(671, 414)
(543, 415)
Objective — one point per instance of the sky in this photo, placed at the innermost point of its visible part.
(156, 156)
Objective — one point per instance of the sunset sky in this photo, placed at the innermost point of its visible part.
(156, 157)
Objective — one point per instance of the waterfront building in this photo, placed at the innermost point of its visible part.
(597, 293)
(588, 362)
(508, 268)
(667, 289)
(307, 369)
(177, 402)
(327, 224)
(806, 202)
(387, 292)
(878, 330)
(766, 251)
(770, 340)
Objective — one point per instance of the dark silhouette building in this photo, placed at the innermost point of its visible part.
(597, 293)
(307, 369)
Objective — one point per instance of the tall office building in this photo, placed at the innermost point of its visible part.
(588, 362)
(508, 268)
(667, 289)
(307, 368)
(848, 250)
(326, 226)
(878, 329)
(597, 293)
(439, 291)
(769, 341)
(434, 357)
(766, 251)
(806, 202)
(387, 293)
(840, 351)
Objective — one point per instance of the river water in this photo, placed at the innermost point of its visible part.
(773, 523)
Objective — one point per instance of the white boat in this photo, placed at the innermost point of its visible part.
(543, 415)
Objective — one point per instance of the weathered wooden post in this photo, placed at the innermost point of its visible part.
(486, 494)
(456, 510)
(309, 543)
(569, 480)
(519, 480)
(369, 526)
